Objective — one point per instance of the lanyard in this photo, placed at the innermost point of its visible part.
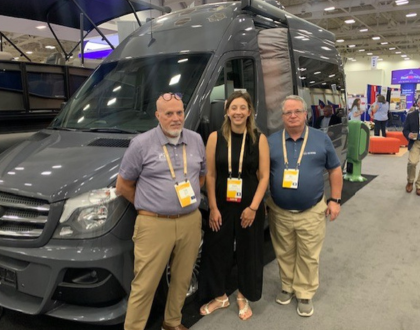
(241, 157)
(168, 159)
(302, 148)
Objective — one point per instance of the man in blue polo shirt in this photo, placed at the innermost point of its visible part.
(299, 155)
(161, 174)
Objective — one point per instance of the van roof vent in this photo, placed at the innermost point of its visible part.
(39, 136)
(115, 143)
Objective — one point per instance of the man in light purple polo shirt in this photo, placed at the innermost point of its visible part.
(161, 174)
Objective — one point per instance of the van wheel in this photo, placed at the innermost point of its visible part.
(193, 288)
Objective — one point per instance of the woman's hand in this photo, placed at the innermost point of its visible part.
(215, 219)
(247, 217)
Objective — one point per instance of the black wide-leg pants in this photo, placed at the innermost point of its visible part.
(218, 255)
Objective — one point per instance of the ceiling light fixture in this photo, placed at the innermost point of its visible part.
(350, 21)
(397, 52)
(329, 8)
(392, 48)
(384, 43)
(340, 40)
(363, 30)
(361, 50)
(351, 46)
(369, 53)
(376, 38)
(41, 27)
(401, 2)
(411, 15)
(403, 55)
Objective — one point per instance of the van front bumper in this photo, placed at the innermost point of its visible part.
(80, 280)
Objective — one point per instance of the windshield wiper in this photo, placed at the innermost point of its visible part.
(110, 130)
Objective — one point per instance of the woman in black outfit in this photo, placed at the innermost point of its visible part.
(235, 194)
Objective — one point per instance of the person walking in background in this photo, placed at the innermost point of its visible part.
(237, 179)
(411, 133)
(380, 115)
(356, 112)
(328, 119)
(299, 156)
(161, 174)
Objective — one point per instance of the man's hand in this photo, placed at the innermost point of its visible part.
(333, 210)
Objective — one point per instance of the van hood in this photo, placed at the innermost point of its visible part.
(57, 165)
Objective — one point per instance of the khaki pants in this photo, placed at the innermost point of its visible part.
(156, 241)
(297, 239)
(413, 159)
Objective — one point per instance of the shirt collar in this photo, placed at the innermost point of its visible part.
(302, 136)
(164, 140)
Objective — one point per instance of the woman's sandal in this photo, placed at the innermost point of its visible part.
(204, 310)
(243, 312)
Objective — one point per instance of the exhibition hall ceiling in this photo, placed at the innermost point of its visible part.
(378, 27)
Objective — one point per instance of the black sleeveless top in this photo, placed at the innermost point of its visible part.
(249, 168)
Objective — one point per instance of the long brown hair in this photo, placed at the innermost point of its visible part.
(356, 103)
(250, 122)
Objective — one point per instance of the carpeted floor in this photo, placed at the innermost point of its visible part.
(351, 188)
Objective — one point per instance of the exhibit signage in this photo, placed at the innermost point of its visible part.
(406, 76)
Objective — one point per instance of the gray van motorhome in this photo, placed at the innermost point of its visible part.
(65, 237)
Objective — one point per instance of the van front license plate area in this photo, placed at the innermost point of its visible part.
(7, 277)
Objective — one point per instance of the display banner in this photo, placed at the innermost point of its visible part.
(374, 62)
(409, 91)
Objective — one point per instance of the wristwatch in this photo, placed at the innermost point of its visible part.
(336, 200)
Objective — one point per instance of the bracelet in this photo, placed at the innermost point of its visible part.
(255, 210)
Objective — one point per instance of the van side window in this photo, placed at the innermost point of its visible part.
(237, 74)
(322, 84)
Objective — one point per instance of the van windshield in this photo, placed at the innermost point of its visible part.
(121, 96)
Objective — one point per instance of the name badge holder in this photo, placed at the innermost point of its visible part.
(184, 190)
(291, 176)
(234, 185)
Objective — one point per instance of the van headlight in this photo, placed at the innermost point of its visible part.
(91, 214)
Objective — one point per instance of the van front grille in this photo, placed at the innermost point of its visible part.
(22, 217)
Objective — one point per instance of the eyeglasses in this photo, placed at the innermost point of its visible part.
(296, 113)
(169, 96)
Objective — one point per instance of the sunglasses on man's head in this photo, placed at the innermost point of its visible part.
(169, 96)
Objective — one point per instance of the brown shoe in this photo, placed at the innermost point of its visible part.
(409, 187)
(418, 192)
(178, 327)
